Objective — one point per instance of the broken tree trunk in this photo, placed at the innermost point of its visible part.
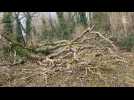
(106, 39)
(89, 29)
(56, 49)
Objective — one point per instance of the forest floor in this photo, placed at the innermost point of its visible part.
(93, 68)
(93, 65)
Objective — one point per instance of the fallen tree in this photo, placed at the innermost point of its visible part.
(64, 47)
(68, 61)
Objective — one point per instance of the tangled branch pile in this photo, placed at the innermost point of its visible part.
(88, 60)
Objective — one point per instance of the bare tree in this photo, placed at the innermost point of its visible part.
(19, 29)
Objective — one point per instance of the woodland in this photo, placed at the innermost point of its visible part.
(66, 49)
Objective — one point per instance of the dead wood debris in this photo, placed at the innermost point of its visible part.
(71, 58)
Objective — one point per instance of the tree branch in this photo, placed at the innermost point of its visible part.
(106, 39)
(89, 29)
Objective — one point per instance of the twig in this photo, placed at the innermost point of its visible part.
(106, 39)
(89, 29)
(14, 64)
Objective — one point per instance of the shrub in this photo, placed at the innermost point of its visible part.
(127, 42)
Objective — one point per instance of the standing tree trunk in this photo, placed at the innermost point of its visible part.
(83, 19)
(121, 23)
(19, 28)
(63, 26)
(66, 26)
(52, 30)
(8, 22)
(28, 27)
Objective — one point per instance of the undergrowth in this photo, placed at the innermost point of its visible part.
(127, 42)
